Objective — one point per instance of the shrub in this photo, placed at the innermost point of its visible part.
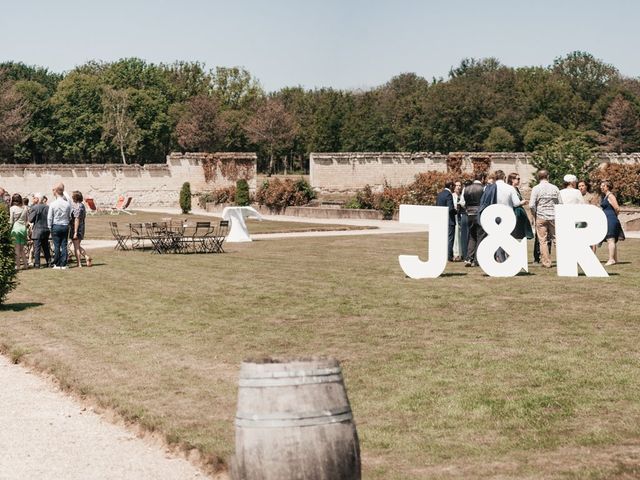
(566, 155)
(7, 259)
(243, 198)
(625, 179)
(423, 191)
(221, 195)
(278, 194)
(185, 197)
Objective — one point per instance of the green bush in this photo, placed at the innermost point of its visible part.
(242, 193)
(7, 256)
(185, 197)
(566, 155)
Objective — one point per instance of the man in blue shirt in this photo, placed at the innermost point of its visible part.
(58, 221)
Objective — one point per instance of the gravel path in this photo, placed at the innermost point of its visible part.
(44, 434)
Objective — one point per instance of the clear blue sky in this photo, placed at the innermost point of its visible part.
(342, 44)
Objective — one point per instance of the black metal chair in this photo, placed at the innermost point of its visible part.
(121, 240)
(220, 236)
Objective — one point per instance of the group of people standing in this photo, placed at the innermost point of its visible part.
(38, 221)
(466, 203)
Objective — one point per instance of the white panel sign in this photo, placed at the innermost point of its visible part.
(573, 245)
(437, 219)
(499, 236)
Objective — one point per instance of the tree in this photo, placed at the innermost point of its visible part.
(540, 131)
(7, 257)
(499, 140)
(185, 197)
(588, 76)
(564, 155)
(620, 126)
(200, 126)
(13, 118)
(118, 124)
(236, 88)
(274, 127)
(78, 119)
(38, 144)
(242, 193)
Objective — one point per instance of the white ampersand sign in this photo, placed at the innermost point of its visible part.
(499, 236)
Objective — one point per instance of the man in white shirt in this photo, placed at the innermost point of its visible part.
(544, 198)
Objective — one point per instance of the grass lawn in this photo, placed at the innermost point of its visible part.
(97, 227)
(464, 376)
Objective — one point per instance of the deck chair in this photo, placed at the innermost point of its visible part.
(121, 240)
(92, 209)
(115, 210)
(126, 205)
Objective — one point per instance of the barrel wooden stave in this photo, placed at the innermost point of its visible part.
(294, 422)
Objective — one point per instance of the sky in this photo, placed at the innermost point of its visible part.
(348, 44)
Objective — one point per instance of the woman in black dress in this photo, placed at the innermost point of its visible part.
(610, 206)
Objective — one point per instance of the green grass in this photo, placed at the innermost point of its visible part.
(97, 226)
(464, 376)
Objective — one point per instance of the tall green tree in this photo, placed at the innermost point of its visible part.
(78, 120)
(13, 119)
(118, 123)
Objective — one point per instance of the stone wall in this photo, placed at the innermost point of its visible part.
(149, 185)
(347, 172)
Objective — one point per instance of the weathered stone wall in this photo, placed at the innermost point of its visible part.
(338, 172)
(347, 172)
(149, 185)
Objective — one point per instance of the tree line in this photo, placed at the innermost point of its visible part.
(133, 111)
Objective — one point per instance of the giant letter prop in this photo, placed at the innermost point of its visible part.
(437, 219)
(499, 235)
(572, 244)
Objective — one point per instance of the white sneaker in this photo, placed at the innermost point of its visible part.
(63, 268)
(55, 267)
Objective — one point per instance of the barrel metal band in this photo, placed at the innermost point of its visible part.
(318, 372)
(305, 419)
(288, 381)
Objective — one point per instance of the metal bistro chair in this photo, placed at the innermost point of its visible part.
(157, 233)
(136, 233)
(121, 240)
(220, 236)
(201, 237)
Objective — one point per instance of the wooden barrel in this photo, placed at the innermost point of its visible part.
(294, 421)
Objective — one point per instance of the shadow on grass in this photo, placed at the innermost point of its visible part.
(453, 274)
(19, 307)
